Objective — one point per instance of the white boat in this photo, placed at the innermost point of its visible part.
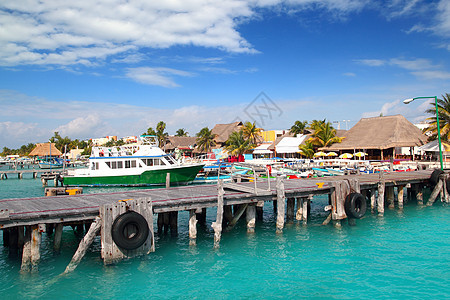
(137, 165)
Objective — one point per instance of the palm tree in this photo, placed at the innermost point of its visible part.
(325, 135)
(150, 131)
(444, 118)
(237, 144)
(205, 140)
(307, 149)
(316, 124)
(251, 132)
(161, 135)
(181, 132)
(298, 127)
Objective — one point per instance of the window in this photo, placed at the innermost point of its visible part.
(114, 165)
(108, 163)
(127, 164)
(119, 164)
(133, 164)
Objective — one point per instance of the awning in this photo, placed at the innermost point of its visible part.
(290, 144)
(433, 146)
(263, 149)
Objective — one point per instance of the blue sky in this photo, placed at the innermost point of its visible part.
(94, 68)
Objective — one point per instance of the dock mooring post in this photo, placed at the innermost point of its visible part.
(400, 193)
(192, 227)
(280, 203)
(251, 217)
(57, 237)
(299, 212)
(373, 199)
(217, 225)
(380, 200)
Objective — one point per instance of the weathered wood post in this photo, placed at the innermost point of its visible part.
(401, 190)
(290, 210)
(167, 180)
(373, 200)
(299, 212)
(306, 208)
(436, 191)
(57, 237)
(251, 217)
(84, 245)
(26, 252)
(227, 214)
(419, 194)
(390, 195)
(217, 225)
(237, 215)
(280, 203)
(35, 245)
(192, 227)
(339, 192)
(380, 200)
(260, 210)
(173, 220)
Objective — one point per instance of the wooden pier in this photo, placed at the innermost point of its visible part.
(23, 220)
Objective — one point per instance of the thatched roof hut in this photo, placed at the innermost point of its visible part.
(180, 142)
(381, 133)
(223, 131)
(45, 149)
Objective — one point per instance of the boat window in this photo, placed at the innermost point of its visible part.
(93, 166)
(113, 165)
(119, 165)
(170, 160)
(127, 164)
(148, 161)
(157, 162)
(96, 165)
(108, 163)
(133, 164)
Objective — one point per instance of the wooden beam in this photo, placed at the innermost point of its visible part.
(84, 245)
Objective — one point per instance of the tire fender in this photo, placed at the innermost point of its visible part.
(355, 205)
(434, 178)
(130, 230)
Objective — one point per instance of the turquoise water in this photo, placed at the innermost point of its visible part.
(405, 254)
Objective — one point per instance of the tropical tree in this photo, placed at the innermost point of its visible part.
(444, 118)
(237, 144)
(251, 132)
(298, 127)
(150, 131)
(205, 140)
(160, 134)
(181, 132)
(325, 135)
(60, 142)
(307, 149)
(316, 124)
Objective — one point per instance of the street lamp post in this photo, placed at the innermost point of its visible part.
(407, 101)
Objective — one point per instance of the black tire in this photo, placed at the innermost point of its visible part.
(355, 205)
(134, 222)
(434, 178)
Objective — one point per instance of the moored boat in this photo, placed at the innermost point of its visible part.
(137, 165)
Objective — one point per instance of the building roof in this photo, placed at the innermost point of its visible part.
(180, 142)
(381, 133)
(263, 149)
(433, 146)
(43, 149)
(223, 131)
(290, 144)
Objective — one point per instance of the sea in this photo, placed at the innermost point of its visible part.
(403, 255)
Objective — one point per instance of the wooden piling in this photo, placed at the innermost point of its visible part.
(419, 194)
(339, 192)
(227, 214)
(380, 199)
(173, 220)
(217, 225)
(280, 203)
(13, 242)
(57, 237)
(26, 252)
(390, 196)
(436, 191)
(259, 210)
(400, 193)
(167, 180)
(299, 212)
(290, 210)
(84, 245)
(251, 218)
(192, 227)
(35, 245)
(373, 200)
(237, 215)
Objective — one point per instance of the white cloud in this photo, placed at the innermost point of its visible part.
(83, 32)
(371, 62)
(156, 76)
(81, 126)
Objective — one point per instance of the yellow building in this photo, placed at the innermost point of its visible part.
(271, 135)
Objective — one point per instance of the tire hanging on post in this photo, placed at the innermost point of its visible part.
(434, 178)
(355, 205)
(130, 230)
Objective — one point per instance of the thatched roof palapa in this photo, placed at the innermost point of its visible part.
(43, 149)
(223, 131)
(381, 133)
(180, 142)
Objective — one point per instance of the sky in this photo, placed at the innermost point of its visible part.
(93, 68)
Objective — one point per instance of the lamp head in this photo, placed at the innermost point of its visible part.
(407, 101)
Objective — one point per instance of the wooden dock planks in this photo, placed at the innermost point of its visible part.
(31, 211)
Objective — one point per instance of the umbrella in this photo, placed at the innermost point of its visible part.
(332, 154)
(346, 155)
(320, 153)
(360, 154)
